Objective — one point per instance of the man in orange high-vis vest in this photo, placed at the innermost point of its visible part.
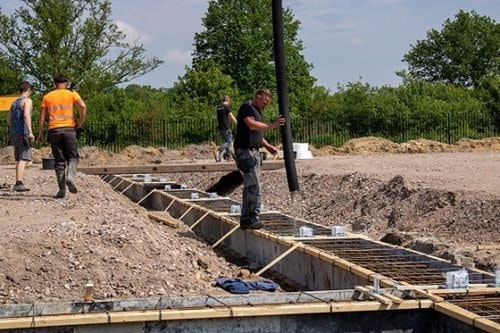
(57, 108)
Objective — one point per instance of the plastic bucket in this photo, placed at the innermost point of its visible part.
(48, 163)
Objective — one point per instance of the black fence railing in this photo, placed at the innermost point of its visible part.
(449, 128)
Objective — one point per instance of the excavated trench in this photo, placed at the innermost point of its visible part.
(320, 262)
(331, 280)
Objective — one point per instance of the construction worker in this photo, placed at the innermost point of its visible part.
(57, 108)
(19, 121)
(224, 114)
(248, 139)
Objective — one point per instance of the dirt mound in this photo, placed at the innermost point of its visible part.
(374, 145)
(137, 155)
(51, 248)
(488, 144)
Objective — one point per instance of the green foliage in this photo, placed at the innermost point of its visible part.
(133, 103)
(238, 37)
(439, 98)
(74, 37)
(465, 50)
(200, 90)
(9, 77)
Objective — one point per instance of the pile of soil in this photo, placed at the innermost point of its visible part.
(442, 203)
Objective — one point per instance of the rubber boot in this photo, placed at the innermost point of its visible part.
(70, 179)
(61, 182)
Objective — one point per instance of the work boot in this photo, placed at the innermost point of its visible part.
(254, 225)
(20, 187)
(61, 183)
(70, 179)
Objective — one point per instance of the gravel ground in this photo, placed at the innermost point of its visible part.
(442, 203)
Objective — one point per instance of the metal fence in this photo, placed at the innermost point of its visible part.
(115, 136)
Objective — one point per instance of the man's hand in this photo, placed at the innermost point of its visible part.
(79, 130)
(40, 137)
(272, 150)
(280, 121)
(31, 137)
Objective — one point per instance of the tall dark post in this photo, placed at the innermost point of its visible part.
(284, 107)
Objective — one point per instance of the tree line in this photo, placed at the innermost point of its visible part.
(455, 70)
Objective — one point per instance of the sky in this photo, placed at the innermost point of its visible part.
(345, 40)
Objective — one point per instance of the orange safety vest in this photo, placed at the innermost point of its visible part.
(59, 104)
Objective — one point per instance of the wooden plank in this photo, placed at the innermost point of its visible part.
(434, 287)
(132, 316)
(429, 296)
(147, 195)
(164, 218)
(281, 256)
(369, 293)
(393, 298)
(456, 312)
(173, 168)
(198, 221)
(225, 236)
(488, 247)
(469, 291)
(487, 325)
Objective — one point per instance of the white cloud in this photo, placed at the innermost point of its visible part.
(178, 56)
(357, 40)
(133, 35)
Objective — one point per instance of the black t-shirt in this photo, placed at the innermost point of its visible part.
(244, 137)
(223, 111)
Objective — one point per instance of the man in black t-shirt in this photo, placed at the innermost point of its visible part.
(223, 115)
(249, 138)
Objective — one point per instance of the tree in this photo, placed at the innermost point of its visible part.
(74, 37)
(200, 90)
(465, 50)
(238, 37)
(9, 77)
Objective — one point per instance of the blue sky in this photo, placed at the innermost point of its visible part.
(345, 40)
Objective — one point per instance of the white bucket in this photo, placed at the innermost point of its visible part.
(235, 209)
(305, 232)
(457, 279)
(338, 231)
(304, 155)
(300, 146)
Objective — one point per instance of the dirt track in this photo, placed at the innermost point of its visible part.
(443, 203)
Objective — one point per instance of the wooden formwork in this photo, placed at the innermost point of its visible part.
(315, 263)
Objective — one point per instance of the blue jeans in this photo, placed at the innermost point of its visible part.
(248, 162)
(226, 145)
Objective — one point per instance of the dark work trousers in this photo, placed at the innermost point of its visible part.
(249, 163)
(227, 135)
(64, 146)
